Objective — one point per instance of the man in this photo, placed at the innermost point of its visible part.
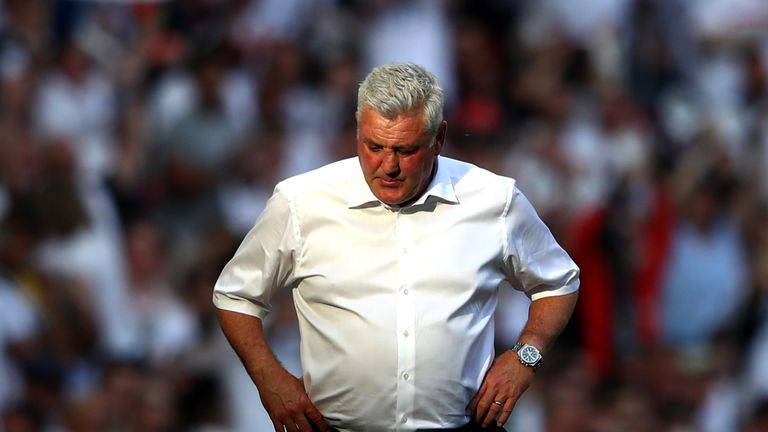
(395, 259)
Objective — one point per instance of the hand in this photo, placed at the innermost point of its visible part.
(505, 382)
(286, 401)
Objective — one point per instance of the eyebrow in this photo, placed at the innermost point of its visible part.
(371, 142)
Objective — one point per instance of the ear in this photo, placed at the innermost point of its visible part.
(440, 138)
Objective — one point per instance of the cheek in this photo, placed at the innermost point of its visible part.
(415, 166)
(368, 161)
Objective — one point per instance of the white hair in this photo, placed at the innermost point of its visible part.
(398, 88)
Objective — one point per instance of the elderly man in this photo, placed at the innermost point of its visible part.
(395, 259)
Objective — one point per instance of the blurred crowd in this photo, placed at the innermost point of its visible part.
(139, 140)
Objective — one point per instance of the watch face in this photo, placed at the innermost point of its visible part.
(529, 354)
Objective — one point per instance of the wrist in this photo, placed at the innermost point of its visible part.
(528, 354)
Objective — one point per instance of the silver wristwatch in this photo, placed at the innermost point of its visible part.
(528, 355)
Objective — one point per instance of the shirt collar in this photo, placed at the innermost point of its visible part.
(440, 189)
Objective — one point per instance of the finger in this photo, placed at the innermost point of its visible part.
(483, 405)
(490, 415)
(278, 426)
(285, 423)
(302, 424)
(509, 405)
(314, 415)
(475, 404)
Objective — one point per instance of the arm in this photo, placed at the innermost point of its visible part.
(547, 318)
(535, 264)
(507, 378)
(263, 265)
(282, 394)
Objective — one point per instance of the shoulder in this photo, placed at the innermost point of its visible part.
(329, 180)
(468, 178)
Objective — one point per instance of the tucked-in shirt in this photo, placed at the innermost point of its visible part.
(395, 304)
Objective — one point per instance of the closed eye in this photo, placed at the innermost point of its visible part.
(408, 151)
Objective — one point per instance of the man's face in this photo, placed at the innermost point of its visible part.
(396, 156)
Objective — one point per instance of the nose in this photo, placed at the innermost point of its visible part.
(391, 164)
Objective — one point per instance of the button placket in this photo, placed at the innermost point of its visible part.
(406, 317)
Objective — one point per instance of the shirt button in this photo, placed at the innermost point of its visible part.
(405, 291)
(405, 250)
(406, 333)
(406, 376)
(404, 419)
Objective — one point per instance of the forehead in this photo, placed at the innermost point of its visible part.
(407, 128)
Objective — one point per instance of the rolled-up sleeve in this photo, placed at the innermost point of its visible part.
(262, 264)
(534, 262)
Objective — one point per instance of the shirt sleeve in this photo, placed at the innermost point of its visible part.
(533, 260)
(262, 264)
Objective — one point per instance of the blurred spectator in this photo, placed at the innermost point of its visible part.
(477, 115)
(122, 389)
(705, 279)
(27, 22)
(167, 328)
(755, 375)
(585, 20)
(87, 413)
(759, 421)
(193, 157)
(224, 86)
(22, 418)
(660, 49)
(19, 322)
(76, 103)
(81, 242)
(392, 30)
(18, 328)
(265, 22)
(244, 192)
(312, 115)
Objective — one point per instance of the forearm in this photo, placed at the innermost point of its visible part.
(547, 317)
(507, 378)
(282, 394)
(246, 335)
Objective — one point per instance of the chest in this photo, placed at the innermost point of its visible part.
(363, 252)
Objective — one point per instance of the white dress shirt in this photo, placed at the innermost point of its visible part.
(395, 305)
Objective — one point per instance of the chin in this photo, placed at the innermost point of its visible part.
(391, 201)
(389, 198)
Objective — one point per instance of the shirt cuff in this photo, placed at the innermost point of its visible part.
(237, 304)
